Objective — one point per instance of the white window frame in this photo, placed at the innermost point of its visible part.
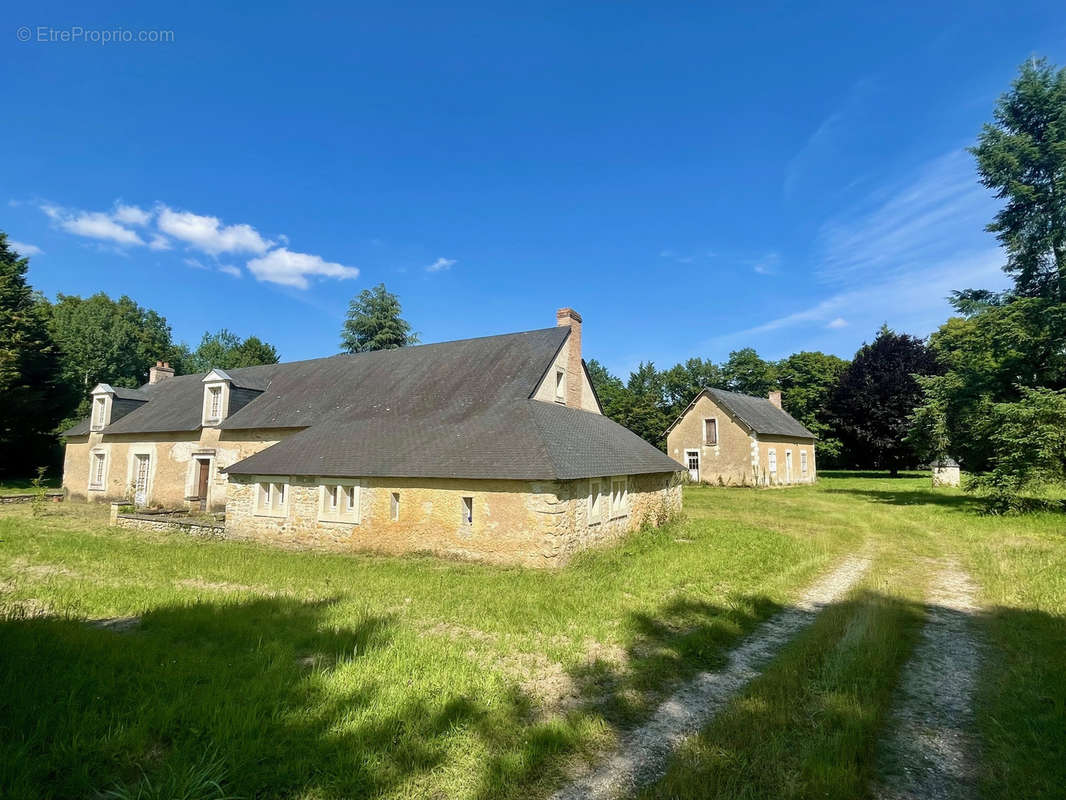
(803, 462)
(220, 380)
(619, 497)
(706, 441)
(771, 460)
(466, 509)
(788, 465)
(394, 506)
(99, 417)
(560, 385)
(94, 455)
(348, 495)
(272, 495)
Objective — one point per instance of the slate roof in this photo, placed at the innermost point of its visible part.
(757, 413)
(455, 409)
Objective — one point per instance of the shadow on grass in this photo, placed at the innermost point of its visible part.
(872, 474)
(915, 497)
(206, 691)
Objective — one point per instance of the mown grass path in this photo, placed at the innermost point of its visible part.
(930, 750)
(643, 754)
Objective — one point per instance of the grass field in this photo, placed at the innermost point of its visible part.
(253, 672)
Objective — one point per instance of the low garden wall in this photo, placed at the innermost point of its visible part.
(167, 522)
(55, 497)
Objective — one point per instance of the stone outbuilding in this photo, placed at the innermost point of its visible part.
(946, 472)
(731, 439)
(493, 448)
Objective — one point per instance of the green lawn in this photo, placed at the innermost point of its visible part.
(25, 485)
(257, 672)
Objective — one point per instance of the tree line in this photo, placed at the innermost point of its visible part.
(858, 409)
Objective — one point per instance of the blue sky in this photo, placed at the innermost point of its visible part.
(692, 180)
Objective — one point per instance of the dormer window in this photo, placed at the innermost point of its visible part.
(101, 411)
(216, 396)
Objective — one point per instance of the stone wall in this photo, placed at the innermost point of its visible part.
(782, 445)
(531, 523)
(173, 469)
(147, 522)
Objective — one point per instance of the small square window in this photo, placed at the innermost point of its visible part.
(394, 506)
(468, 510)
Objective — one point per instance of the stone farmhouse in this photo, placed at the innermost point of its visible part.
(733, 439)
(493, 448)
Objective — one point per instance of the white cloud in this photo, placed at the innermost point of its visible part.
(441, 264)
(229, 269)
(286, 268)
(195, 263)
(926, 220)
(131, 215)
(24, 249)
(97, 225)
(837, 323)
(209, 235)
(159, 242)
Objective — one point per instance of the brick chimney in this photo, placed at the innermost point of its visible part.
(775, 398)
(574, 378)
(160, 372)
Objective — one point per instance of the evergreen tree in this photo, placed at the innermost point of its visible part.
(1021, 155)
(374, 323)
(31, 394)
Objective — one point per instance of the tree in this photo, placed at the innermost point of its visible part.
(808, 380)
(1029, 437)
(745, 372)
(609, 389)
(226, 350)
(987, 359)
(877, 393)
(31, 395)
(1022, 156)
(682, 382)
(374, 323)
(105, 340)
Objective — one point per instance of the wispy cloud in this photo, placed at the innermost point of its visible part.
(229, 269)
(899, 257)
(131, 215)
(922, 222)
(286, 268)
(441, 264)
(768, 264)
(24, 249)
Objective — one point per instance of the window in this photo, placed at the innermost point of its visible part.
(560, 386)
(99, 413)
(771, 460)
(394, 506)
(803, 461)
(215, 411)
(339, 501)
(98, 471)
(597, 500)
(619, 497)
(710, 431)
(272, 497)
(468, 510)
(788, 464)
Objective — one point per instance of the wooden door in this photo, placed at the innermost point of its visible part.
(201, 482)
